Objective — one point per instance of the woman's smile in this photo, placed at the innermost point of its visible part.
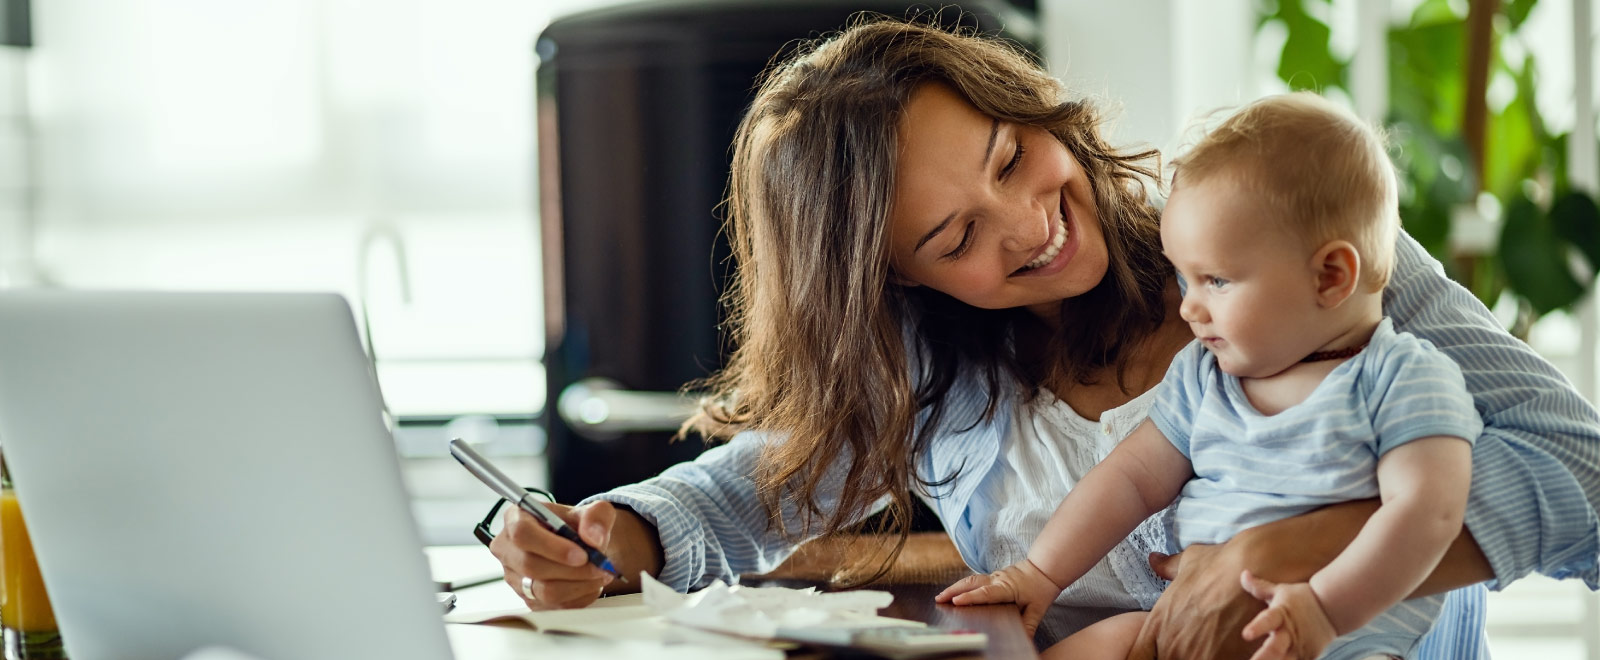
(1053, 255)
(995, 214)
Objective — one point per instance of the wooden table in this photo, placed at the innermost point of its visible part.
(927, 564)
(1002, 623)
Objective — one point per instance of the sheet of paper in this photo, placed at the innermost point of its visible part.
(719, 615)
(504, 605)
(760, 611)
(619, 618)
(459, 566)
(495, 642)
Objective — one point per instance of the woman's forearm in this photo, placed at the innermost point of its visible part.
(1537, 463)
(1293, 549)
(1464, 564)
(634, 547)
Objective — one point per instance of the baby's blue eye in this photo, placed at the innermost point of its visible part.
(1218, 282)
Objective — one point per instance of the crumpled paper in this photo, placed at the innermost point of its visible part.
(761, 611)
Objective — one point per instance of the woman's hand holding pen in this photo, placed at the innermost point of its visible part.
(560, 572)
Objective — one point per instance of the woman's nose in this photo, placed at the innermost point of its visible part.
(1027, 227)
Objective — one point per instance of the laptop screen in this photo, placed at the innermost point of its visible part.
(210, 469)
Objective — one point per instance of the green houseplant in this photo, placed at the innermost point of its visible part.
(1456, 148)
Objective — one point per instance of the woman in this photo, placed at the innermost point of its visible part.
(950, 287)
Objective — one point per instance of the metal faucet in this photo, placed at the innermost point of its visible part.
(376, 231)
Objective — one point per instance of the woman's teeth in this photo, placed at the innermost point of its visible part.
(1052, 250)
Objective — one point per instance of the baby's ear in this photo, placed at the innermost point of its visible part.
(1337, 265)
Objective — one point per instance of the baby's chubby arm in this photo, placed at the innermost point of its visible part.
(1140, 477)
(1423, 485)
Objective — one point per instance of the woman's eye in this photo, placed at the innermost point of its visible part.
(961, 248)
(1015, 158)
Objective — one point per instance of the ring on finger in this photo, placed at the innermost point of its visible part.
(527, 588)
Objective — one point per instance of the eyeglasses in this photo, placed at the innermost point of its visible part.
(486, 530)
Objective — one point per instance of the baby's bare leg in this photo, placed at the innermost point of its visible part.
(1109, 639)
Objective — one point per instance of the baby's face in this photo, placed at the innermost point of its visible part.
(1251, 294)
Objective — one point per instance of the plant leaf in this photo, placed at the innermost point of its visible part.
(1575, 218)
(1431, 11)
(1426, 80)
(1511, 147)
(1535, 258)
(1556, 155)
(1517, 11)
(1427, 217)
(1307, 62)
(1488, 279)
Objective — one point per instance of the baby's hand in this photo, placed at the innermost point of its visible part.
(1021, 583)
(1294, 623)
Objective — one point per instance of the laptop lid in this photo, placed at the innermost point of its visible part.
(210, 469)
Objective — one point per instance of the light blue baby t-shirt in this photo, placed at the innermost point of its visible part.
(1252, 469)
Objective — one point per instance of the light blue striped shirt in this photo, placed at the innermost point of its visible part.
(1251, 469)
(1535, 481)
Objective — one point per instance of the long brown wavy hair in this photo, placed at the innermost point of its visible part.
(824, 340)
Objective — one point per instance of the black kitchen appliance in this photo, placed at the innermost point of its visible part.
(636, 109)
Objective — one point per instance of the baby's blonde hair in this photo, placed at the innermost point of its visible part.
(1324, 172)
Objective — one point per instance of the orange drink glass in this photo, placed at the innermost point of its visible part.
(27, 624)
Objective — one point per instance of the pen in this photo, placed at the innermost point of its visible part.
(512, 491)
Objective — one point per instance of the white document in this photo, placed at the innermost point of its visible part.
(743, 614)
(760, 611)
(460, 566)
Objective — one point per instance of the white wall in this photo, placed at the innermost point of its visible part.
(304, 145)
(1156, 64)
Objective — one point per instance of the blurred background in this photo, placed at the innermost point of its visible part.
(517, 197)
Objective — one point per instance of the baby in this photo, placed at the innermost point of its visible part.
(1297, 393)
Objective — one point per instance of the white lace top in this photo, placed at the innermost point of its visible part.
(1047, 450)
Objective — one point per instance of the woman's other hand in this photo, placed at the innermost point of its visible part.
(1203, 612)
(1021, 583)
(559, 571)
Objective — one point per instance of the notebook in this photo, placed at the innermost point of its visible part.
(210, 469)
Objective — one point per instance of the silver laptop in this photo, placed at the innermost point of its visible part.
(204, 469)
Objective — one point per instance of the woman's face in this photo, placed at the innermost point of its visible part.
(994, 214)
